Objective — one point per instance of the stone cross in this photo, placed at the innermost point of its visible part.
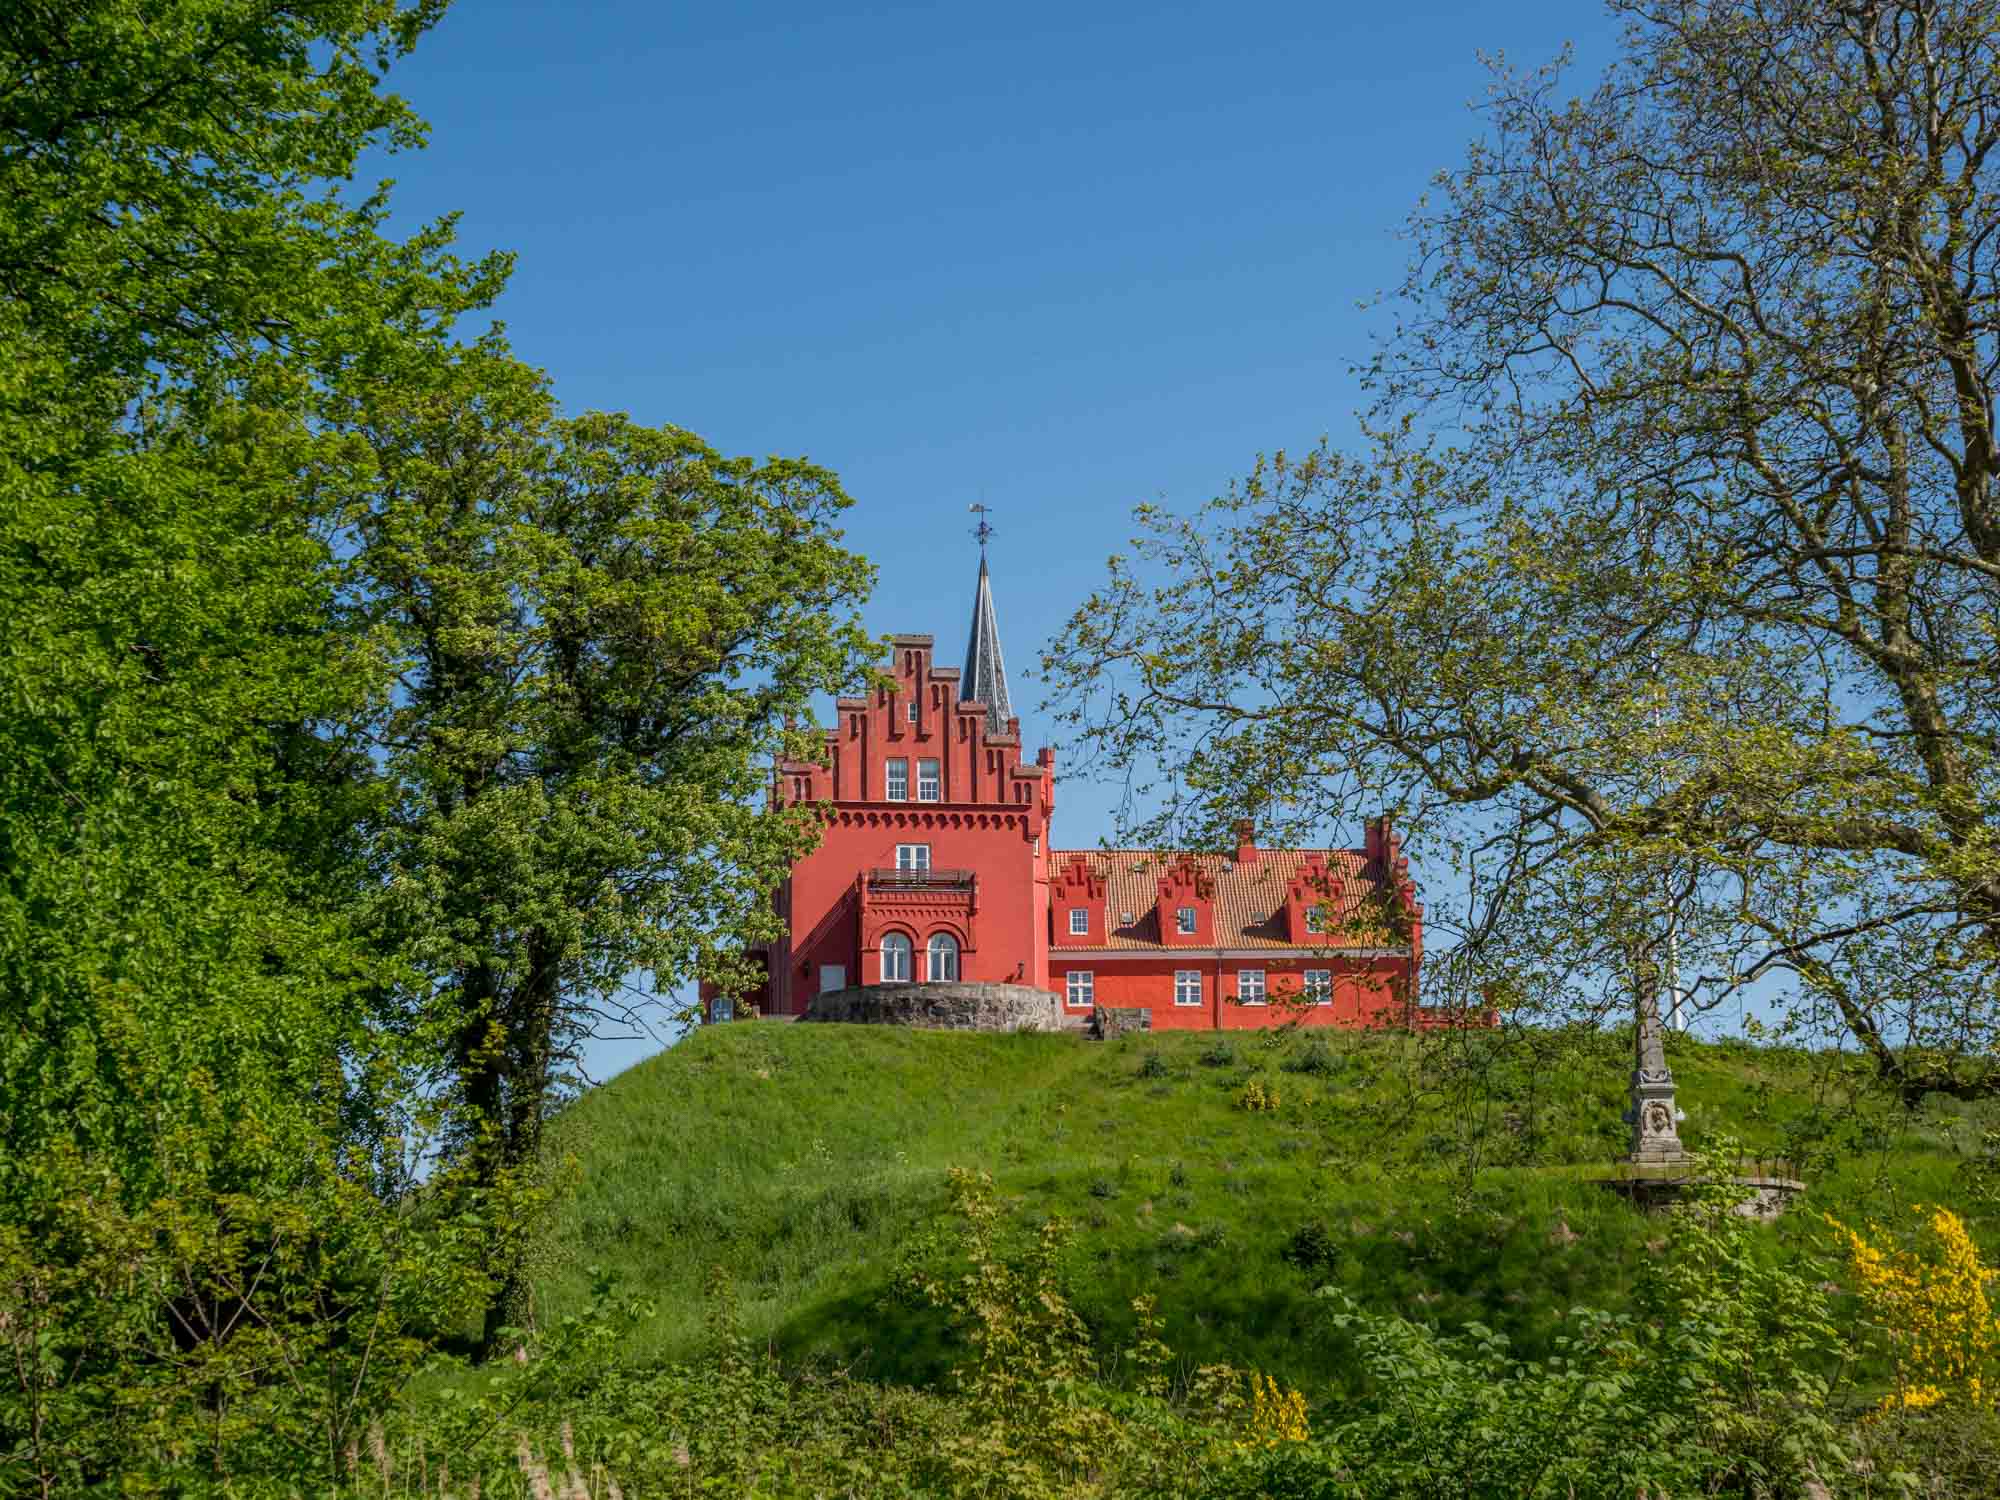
(1653, 1116)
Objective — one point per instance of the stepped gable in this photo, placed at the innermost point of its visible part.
(1249, 897)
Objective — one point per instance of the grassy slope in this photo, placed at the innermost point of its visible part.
(807, 1158)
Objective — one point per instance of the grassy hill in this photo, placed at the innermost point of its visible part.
(1446, 1179)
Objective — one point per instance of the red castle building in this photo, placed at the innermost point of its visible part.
(936, 864)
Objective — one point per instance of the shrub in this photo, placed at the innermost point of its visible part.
(1259, 1097)
(1930, 1301)
(1218, 1055)
(1153, 1066)
(1315, 1057)
(1311, 1246)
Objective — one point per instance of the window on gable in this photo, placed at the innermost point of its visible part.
(1082, 988)
(1319, 986)
(1184, 919)
(927, 781)
(899, 781)
(913, 710)
(1079, 920)
(912, 857)
(1187, 986)
(1250, 987)
(1315, 919)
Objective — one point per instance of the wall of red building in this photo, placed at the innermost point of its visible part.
(1366, 992)
(991, 819)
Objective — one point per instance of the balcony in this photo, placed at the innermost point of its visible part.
(920, 880)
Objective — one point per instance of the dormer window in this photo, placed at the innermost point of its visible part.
(1079, 920)
(1315, 919)
(1184, 920)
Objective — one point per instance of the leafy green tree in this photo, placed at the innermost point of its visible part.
(600, 632)
(189, 1080)
(1665, 605)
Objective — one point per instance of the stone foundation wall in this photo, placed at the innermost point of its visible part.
(942, 1007)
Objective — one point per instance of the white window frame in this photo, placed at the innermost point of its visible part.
(1250, 987)
(1081, 989)
(913, 710)
(1079, 921)
(896, 780)
(913, 858)
(930, 781)
(1184, 920)
(1187, 986)
(1315, 919)
(1319, 986)
(905, 951)
(941, 944)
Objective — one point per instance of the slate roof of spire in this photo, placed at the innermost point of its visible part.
(985, 677)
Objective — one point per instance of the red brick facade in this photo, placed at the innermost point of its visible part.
(936, 864)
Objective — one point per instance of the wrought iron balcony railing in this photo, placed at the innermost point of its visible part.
(919, 880)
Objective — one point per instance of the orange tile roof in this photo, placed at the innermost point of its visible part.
(1249, 898)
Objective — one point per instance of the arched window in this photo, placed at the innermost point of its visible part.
(895, 957)
(943, 956)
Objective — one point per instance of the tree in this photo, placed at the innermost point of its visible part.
(192, 1120)
(600, 632)
(1665, 604)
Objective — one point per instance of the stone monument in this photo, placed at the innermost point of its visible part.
(1654, 1118)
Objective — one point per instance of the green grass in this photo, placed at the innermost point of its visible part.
(810, 1160)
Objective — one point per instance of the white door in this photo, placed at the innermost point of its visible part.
(832, 977)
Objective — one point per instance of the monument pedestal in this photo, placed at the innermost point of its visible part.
(1654, 1119)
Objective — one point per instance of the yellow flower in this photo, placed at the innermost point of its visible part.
(1276, 1415)
(1932, 1302)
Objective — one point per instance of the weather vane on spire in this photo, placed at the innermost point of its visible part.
(982, 530)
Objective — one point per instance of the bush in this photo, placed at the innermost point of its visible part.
(1315, 1057)
(1311, 1247)
(1154, 1066)
(1218, 1055)
(1259, 1097)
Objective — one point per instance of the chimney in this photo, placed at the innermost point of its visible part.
(1246, 842)
(1383, 845)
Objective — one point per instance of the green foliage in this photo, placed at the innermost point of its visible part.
(210, 1260)
(1314, 1057)
(1312, 1247)
(1675, 1400)
(600, 633)
(224, 870)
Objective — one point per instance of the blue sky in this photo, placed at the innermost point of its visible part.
(1059, 258)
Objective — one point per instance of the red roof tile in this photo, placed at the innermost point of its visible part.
(1249, 898)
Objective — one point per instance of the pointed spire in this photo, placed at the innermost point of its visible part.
(985, 677)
